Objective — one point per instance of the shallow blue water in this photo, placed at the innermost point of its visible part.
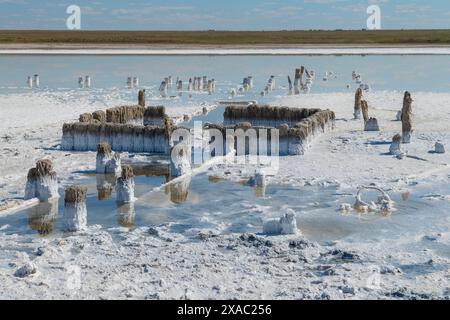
(416, 73)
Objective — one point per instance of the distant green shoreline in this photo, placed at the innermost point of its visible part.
(249, 38)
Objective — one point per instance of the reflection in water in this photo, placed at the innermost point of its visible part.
(405, 196)
(105, 185)
(42, 217)
(179, 191)
(126, 214)
(260, 191)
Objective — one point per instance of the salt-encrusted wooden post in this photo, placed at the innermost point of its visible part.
(180, 162)
(290, 84)
(407, 117)
(190, 85)
(125, 186)
(370, 124)
(75, 213)
(129, 82)
(365, 110)
(163, 89)
(357, 108)
(87, 82)
(42, 182)
(104, 155)
(135, 82)
(141, 98)
(36, 81)
(394, 149)
(30, 82)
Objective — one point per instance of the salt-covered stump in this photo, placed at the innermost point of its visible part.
(439, 148)
(75, 213)
(371, 125)
(180, 160)
(125, 186)
(106, 161)
(287, 224)
(42, 182)
(384, 204)
(99, 115)
(86, 117)
(141, 98)
(395, 148)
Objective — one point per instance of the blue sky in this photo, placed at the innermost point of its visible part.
(224, 15)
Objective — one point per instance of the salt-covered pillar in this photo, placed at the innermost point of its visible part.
(42, 182)
(141, 98)
(250, 81)
(290, 84)
(394, 149)
(180, 160)
(298, 77)
(104, 155)
(205, 83)
(114, 166)
(36, 81)
(135, 82)
(407, 118)
(30, 82)
(163, 89)
(210, 87)
(75, 213)
(287, 224)
(357, 108)
(125, 186)
(190, 85)
(129, 82)
(87, 82)
(80, 82)
(439, 147)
